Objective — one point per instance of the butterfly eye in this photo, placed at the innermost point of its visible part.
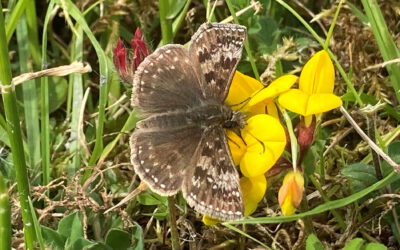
(229, 124)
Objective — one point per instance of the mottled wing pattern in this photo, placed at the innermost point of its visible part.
(218, 49)
(166, 80)
(161, 157)
(212, 185)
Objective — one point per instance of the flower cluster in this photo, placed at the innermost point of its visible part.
(257, 149)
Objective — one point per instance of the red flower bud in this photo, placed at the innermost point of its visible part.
(305, 137)
(124, 63)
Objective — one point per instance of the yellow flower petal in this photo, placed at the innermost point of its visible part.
(253, 189)
(301, 103)
(277, 87)
(236, 145)
(249, 207)
(319, 103)
(294, 100)
(265, 139)
(291, 192)
(242, 87)
(318, 74)
(257, 162)
(209, 221)
(272, 110)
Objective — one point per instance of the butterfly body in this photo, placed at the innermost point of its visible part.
(181, 144)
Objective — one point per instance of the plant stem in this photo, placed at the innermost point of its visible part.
(330, 32)
(172, 221)
(14, 133)
(246, 42)
(5, 216)
(292, 136)
(166, 24)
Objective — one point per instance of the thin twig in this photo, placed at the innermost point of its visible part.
(142, 186)
(374, 147)
(74, 67)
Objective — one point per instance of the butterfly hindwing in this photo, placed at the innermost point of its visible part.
(166, 81)
(211, 186)
(218, 49)
(161, 157)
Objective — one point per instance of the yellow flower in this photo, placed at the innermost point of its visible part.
(315, 93)
(291, 192)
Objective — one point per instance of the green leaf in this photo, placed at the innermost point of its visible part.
(71, 227)
(361, 175)
(58, 89)
(151, 199)
(80, 244)
(137, 233)
(354, 244)
(174, 7)
(53, 238)
(99, 246)
(313, 243)
(118, 239)
(374, 246)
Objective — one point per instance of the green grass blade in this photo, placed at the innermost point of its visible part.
(104, 77)
(323, 207)
(37, 226)
(29, 95)
(385, 42)
(33, 36)
(75, 80)
(5, 216)
(44, 101)
(14, 18)
(14, 133)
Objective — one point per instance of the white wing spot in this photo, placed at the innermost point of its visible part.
(141, 162)
(238, 213)
(214, 186)
(209, 179)
(210, 206)
(161, 56)
(202, 203)
(162, 186)
(172, 67)
(147, 170)
(175, 59)
(168, 51)
(223, 211)
(230, 212)
(146, 71)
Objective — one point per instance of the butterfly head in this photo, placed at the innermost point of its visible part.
(235, 119)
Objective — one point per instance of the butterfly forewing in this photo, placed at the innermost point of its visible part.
(212, 185)
(166, 80)
(218, 49)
